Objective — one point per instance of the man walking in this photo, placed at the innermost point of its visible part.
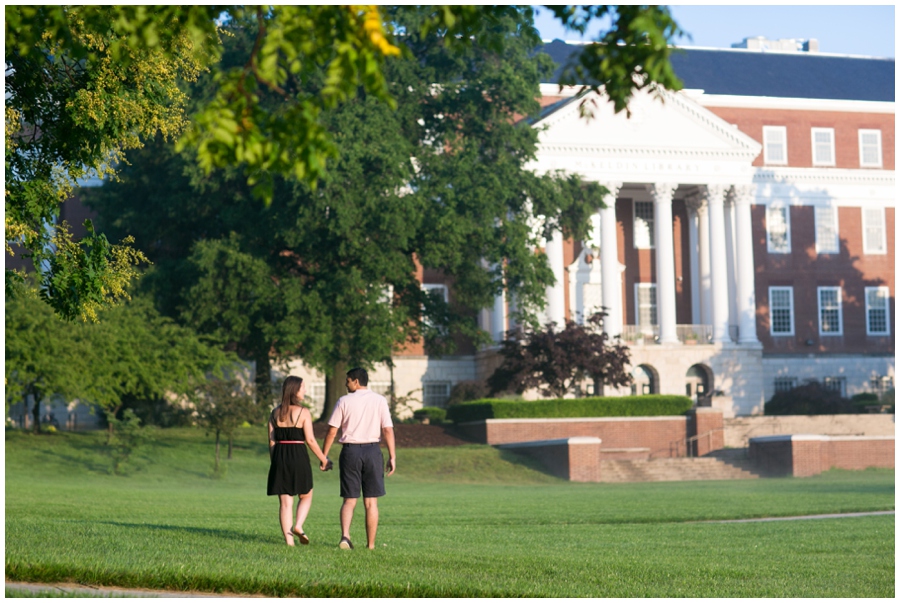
(364, 417)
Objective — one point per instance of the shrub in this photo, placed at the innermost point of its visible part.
(811, 398)
(466, 391)
(622, 406)
(435, 415)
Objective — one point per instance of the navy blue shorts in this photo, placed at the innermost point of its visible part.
(362, 467)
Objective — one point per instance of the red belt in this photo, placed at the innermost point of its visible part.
(290, 442)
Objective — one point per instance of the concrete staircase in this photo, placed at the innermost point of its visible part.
(720, 465)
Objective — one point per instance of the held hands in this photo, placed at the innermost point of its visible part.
(326, 465)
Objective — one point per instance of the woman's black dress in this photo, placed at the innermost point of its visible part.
(290, 472)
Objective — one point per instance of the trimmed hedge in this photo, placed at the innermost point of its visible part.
(623, 406)
(435, 415)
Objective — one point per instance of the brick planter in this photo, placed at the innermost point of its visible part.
(805, 455)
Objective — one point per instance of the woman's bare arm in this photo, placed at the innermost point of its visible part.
(310, 436)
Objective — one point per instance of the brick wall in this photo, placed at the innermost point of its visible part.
(806, 455)
(576, 459)
(662, 436)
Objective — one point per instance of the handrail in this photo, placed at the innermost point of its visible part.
(688, 449)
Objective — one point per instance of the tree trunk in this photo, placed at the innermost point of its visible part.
(230, 445)
(109, 425)
(598, 386)
(335, 387)
(217, 452)
(36, 411)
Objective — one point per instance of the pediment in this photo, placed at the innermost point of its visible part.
(665, 126)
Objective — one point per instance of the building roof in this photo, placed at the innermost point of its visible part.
(776, 74)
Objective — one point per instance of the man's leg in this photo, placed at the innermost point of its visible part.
(347, 516)
(371, 520)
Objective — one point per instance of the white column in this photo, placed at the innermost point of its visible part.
(746, 288)
(730, 254)
(705, 274)
(498, 317)
(692, 204)
(556, 294)
(718, 263)
(610, 279)
(665, 260)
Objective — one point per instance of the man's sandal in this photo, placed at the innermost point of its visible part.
(345, 544)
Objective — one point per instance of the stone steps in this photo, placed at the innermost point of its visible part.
(675, 469)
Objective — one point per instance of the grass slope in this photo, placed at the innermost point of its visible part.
(461, 521)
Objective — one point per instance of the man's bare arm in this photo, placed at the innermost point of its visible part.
(329, 440)
(388, 434)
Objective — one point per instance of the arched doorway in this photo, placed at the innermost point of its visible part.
(645, 380)
(698, 380)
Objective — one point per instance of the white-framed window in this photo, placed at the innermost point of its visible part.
(784, 384)
(643, 225)
(317, 392)
(823, 146)
(878, 315)
(435, 393)
(870, 148)
(835, 384)
(645, 304)
(778, 228)
(827, 239)
(881, 384)
(873, 230)
(775, 145)
(830, 314)
(439, 291)
(781, 310)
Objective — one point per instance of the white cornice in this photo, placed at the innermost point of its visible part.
(746, 147)
(755, 102)
(791, 104)
(771, 175)
(620, 152)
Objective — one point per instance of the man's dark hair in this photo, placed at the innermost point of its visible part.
(359, 374)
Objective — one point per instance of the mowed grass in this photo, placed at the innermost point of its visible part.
(461, 521)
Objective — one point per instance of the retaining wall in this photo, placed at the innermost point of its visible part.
(660, 436)
(576, 459)
(804, 455)
(739, 430)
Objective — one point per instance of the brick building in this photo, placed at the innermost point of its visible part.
(750, 244)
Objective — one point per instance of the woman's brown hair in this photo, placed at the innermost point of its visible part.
(289, 390)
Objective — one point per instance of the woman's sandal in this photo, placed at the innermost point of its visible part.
(304, 539)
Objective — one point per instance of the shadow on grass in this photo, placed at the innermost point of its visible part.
(211, 532)
(527, 461)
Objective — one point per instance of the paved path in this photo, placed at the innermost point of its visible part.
(126, 592)
(111, 592)
(796, 517)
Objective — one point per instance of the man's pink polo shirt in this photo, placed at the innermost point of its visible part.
(361, 416)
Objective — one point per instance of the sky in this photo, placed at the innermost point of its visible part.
(866, 30)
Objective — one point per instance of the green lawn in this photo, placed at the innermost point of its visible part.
(466, 521)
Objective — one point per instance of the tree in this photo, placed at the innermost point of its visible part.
(440, 182)
(115, 70)
(555, 362)
(44, 357)
(810, 398)
(223, 405)
(133, 353)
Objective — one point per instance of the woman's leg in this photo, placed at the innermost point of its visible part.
(303, 510)
(286, 502)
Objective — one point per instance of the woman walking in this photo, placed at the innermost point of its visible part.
(290, 432)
